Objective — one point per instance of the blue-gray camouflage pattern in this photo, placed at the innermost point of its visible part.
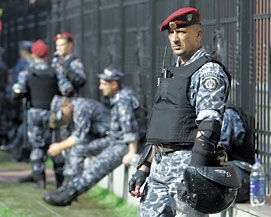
(76, 66)
(90, 120)
(38, 132)
(39, 137)
(209, 103)
(207, 93)
(124, 125)
(160, 192)
(107, 152)
(233, 129)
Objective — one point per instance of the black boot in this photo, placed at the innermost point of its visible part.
(65, 184)
(63, 198)
(29, 178)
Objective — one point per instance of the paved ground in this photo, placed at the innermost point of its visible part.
(25, 199)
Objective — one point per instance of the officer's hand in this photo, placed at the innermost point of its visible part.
(137, 180)
(54, 149)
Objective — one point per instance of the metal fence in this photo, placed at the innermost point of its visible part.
(126, 33)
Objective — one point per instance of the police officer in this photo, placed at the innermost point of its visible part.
(67, 65)
(40, 84)
(236, 136)
(237, 141)
(116, 148)
(18, 108)
(89, 120)
(185, 123)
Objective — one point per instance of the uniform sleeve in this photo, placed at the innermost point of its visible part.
(82, 124)
(127, 120)
(210, 91)
(62, 81)
(21, 84)
(233, 129)
(78, 68)
(227, 130)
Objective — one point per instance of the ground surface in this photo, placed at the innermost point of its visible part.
(26, 201)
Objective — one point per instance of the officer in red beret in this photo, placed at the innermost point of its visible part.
(185, 123)
(39, 83)
(68, 65)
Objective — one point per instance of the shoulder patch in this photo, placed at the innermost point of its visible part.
(210, 83)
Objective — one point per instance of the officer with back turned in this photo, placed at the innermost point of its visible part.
(40, 84)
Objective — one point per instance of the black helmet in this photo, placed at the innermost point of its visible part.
(209, 189)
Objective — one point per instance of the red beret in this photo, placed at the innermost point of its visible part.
(40, 48)
(181, 18)
(64, 35)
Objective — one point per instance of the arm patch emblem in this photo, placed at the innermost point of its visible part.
(210, 83)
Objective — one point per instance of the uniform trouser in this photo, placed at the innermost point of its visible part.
(107, 157)
(39, 138)
(160, 192)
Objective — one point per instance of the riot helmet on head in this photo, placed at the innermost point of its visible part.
(209, 189)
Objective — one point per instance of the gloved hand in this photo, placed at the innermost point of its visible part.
(138, 179)
(203, 153)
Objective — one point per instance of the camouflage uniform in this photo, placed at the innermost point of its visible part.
(160, 192)
(108, 151)
(38, 131)
(233, 130)
(75, 65)
(90, 121)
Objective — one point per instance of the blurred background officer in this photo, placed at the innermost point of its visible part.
(17, 108)
(89, 120)
(40, 84)
(237, 140)
(3, 111)
(116, 148)
(185, 123)
(67, 65)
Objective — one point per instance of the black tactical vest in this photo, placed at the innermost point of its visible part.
(173, 118)
(42, 86)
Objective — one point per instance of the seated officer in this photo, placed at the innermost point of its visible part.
(89, 120)
(116, 148)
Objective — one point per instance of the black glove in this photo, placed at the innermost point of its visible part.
(203, 153)
(138, 178)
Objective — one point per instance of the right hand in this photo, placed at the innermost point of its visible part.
(54, 149)
(135, 183)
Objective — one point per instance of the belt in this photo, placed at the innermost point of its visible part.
(171, 147)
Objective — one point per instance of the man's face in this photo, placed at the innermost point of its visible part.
(185, 41)
(63, 47)
(108, 88)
